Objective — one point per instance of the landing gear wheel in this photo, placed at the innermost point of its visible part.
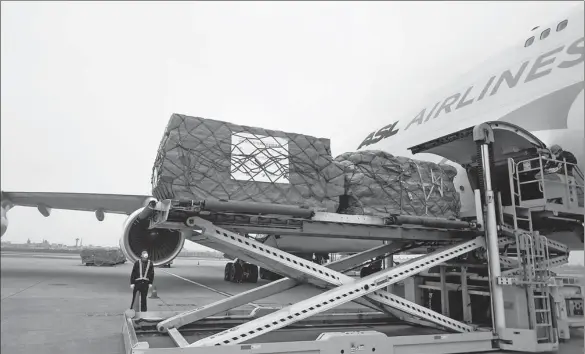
(246, 272)
(253, 277)
(266, 274)
(238, 273)
(226, 271)
(274, 276)
(232, 273)
(365, 271)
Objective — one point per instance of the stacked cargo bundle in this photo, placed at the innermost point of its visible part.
(204, 159)
(378, 183)
(208, 159)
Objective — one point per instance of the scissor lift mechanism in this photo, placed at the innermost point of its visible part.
(218, 225)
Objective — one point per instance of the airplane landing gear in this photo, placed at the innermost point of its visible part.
(240, 272)
(268, 275)
(319, 258)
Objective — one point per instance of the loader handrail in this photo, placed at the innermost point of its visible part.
(542, 171)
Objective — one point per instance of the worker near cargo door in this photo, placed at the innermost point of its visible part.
(562, 162)
(557, 166)
(141, 279)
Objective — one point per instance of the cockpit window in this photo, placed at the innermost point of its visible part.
(529, 42)
(545, 33)
(561, 26)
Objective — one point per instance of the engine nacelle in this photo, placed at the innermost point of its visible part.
(162, 245)
(3, 221)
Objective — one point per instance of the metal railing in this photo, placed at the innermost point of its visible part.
(520, 168)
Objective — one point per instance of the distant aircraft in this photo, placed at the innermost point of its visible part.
(536, 84)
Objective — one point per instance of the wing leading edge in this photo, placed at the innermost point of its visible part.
(99, 203)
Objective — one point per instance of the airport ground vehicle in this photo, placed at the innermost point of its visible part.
(102, 256)
(490, 272)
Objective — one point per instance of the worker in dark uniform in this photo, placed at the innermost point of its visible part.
(557, 167)
(141, 279)
(559, 154)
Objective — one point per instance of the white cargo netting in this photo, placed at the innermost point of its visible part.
(259, 158)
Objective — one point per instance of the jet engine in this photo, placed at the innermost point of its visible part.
(162, 245)
(3, 220)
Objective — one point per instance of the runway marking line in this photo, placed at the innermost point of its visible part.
(206, 287)
(20, 291)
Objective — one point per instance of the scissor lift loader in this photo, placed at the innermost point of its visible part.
(494, 255)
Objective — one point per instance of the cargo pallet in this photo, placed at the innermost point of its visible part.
(498, 256)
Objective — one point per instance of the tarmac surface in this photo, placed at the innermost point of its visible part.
(53, 304)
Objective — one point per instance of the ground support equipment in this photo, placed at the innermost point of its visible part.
(343, 288)
(499, 255)
(139, 331)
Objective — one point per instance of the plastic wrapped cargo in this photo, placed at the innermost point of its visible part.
(378, 183)
(208, 159)
(102, 256)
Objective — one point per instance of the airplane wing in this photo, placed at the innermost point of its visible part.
(107, 203)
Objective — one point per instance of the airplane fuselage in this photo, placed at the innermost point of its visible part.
(539, 87)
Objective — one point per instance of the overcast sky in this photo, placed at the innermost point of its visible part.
(88, 87)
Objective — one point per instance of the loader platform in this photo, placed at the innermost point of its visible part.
(318, 334)
(481, 284)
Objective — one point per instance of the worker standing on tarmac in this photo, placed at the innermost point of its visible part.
(141, 279)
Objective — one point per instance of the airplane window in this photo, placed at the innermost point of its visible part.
(529, 42)
(545, 33)
(561, 26)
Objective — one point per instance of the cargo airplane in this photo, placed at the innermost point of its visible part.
(536, 84)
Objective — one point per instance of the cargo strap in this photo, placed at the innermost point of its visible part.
(143, 275)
